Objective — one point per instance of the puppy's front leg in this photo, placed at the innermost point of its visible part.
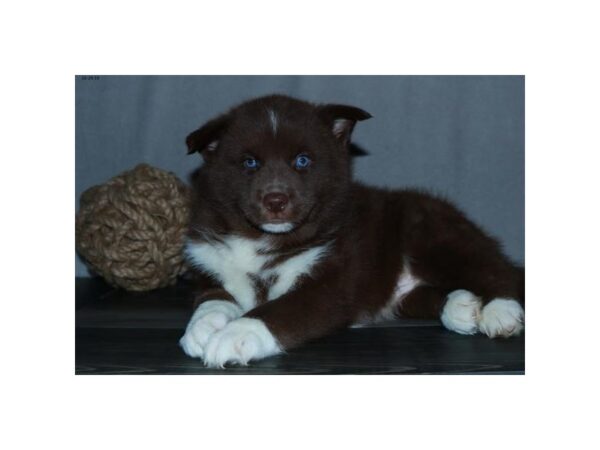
(273, 327)
(215, 308)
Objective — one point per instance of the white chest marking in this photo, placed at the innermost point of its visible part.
(232, 261)
(288, 271)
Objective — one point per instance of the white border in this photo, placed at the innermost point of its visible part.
(46, 43)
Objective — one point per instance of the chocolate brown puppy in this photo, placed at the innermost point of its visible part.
(294, 249)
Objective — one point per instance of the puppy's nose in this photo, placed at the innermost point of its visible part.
(275, 201)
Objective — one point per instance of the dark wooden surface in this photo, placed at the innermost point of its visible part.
(137, 333)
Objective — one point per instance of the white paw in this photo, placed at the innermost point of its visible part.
(461, 312)
(209, 317)
(239, 342)
(502, 317)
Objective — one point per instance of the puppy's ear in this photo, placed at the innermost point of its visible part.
(341, 119)
(206, 138)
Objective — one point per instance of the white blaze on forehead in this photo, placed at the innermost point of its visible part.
(277, 227)
(273, 119)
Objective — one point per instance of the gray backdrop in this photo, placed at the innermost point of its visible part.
(460, 136)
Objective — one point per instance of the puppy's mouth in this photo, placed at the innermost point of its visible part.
(273, 226)
(277, 227)
(282, 226)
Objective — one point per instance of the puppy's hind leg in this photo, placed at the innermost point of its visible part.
(423, 302)
(486, 307)
(496, 299)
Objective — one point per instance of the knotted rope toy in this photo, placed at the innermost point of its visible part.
(131, 229)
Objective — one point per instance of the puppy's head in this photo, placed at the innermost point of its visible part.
(276, 163)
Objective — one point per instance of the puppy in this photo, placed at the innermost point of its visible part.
(296, 250)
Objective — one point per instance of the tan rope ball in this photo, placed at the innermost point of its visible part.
(131, 229)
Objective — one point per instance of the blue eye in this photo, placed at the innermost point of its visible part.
(251, 163)
(302, 162)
